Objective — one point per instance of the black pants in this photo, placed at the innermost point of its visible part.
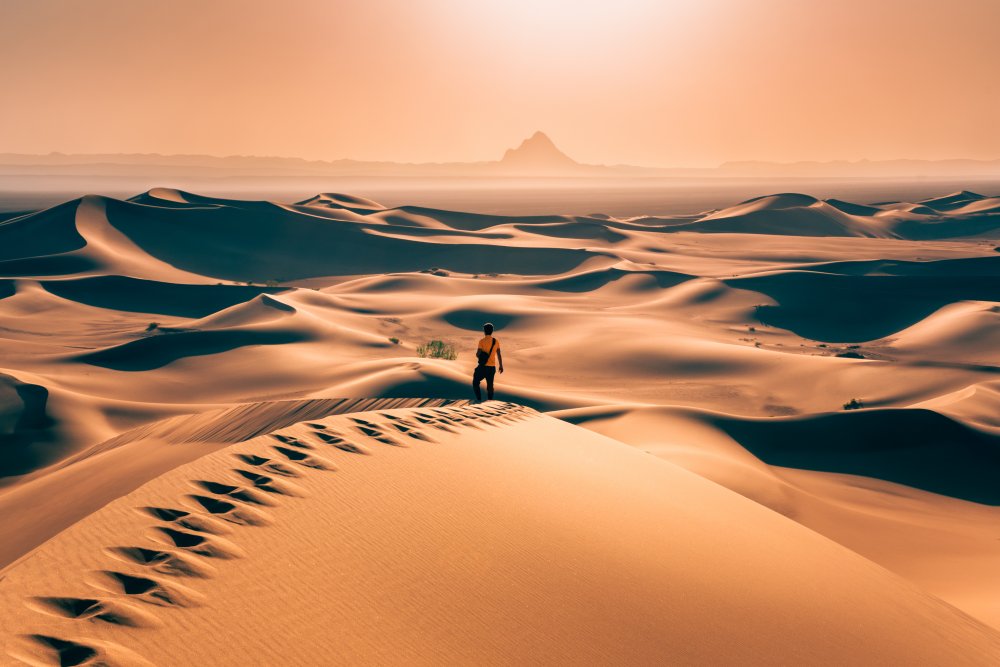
(484, 373)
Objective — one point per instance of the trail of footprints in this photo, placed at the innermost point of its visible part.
(187, 543)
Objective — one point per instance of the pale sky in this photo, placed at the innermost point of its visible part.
(648, 82)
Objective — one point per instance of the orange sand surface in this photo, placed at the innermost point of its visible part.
(219, 444)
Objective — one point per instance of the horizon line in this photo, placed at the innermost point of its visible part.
(719, 165)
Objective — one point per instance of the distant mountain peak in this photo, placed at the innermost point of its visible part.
(538, 150)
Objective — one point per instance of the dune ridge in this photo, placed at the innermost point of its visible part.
(93, 468)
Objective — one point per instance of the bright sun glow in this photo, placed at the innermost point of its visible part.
(574, 39)
(560, 22)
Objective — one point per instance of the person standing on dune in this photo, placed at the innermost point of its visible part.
(488, 356)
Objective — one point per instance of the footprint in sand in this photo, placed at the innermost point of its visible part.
(270, 484)
(342, 444)
(467, 419)
(408, 428)
(399, 422)
(113, 612)
(401, 427)
(197, 543)
(267, 464)
(442, 423)
(328, 433)
(165, 562)
(144, 589)
(303, 459)
(235, 492)
(241, 515)
(362, 425)
(289, 440)
(376, 433)
(185, 519)
(47, 650)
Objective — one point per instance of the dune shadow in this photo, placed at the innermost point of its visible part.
(261, 241)
(51, 265)
(157, 351)
(48, 232)
(472, 320)
(589, 281)
(851, 308)
(27, 440)
(149, 296)
(917, 448)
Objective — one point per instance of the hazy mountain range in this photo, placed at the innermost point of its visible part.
(537, 156)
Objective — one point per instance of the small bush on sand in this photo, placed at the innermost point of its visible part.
(437, 349)
(854, 404)
(394, 340)
(152, 326)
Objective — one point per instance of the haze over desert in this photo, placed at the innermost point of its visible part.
(744, 344)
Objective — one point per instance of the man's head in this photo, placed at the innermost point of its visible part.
(488, 329)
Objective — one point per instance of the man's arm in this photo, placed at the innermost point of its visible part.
(500, 359)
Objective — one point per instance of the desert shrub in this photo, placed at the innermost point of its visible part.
(437, 349)
(152, 326)
(394, 340)
(854, 404)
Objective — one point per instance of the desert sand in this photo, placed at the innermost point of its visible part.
(219, 444)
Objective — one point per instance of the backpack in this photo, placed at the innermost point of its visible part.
(483, 357)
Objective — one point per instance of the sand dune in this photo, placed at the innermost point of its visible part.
(349, 202)
(946, 545)
(849, 308)
(161, 351)
(955, 330)
(99, 473)
(432, 581)
(958, 215)
(152, 297)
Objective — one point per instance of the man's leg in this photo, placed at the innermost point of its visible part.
(491, 372)
(477, 377)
